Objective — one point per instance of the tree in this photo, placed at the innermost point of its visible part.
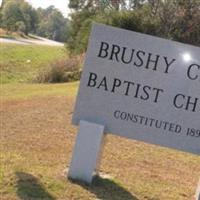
(14, 11)
(56, 25)
(177, 19)
(11, 13)
(113, 12)
(187, 22)
(29, 16)
(52, 24)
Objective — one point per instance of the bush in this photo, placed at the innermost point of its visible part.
(65, 70)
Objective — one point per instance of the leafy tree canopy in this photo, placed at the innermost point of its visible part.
(19, 15)
(173, 19)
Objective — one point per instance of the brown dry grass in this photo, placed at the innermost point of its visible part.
(37, 139)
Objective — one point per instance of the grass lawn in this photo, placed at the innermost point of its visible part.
(27, 91)
(36, 144)
(20, 63)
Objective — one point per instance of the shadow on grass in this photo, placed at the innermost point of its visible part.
(29, 188)
(106, 189)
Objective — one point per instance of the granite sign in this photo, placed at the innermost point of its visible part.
(141, 87)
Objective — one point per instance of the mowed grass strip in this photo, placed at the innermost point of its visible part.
(21, 63)
(37, 139)
(27, 91)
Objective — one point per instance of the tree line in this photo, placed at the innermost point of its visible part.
(178, 20)
(20, 16)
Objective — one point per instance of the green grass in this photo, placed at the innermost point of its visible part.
(21, 63)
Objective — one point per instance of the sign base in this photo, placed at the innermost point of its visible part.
(198, 192)
(86, 153)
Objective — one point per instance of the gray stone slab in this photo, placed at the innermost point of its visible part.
(141, 87)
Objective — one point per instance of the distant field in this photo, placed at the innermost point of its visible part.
(20, 63)
(36, 143)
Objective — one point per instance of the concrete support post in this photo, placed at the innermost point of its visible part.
(86, 153)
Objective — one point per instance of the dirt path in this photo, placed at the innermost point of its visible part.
(38, 41)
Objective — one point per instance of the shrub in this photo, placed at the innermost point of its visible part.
(64, 70)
